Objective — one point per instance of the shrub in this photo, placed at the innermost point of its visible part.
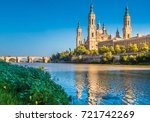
(117, 49)
(112, 50)
(29, 86)
(133, 48)
(107, 58)
(144, 48)
(125, 58)
(81, 50)
(132, 59)
(123, 49)
(103, 50)
(94, 52)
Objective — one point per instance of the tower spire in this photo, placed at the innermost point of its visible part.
(127, 11)
(92, 29)
(92, 7)
(98, 26)
(79, 35)
(127, 29)
(104, 29)
(117, 34)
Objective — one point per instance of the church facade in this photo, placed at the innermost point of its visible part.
(98, 36)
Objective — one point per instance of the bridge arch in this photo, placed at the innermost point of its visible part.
(2, 58)
(10, 59)
(29, 59)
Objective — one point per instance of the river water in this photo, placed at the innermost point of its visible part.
(90, 84)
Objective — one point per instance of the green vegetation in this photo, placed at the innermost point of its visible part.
(107, 57)
(126, 55)
(67, 55)
(112, 50)
(117, 49)
(29, 86)
(103, 50)
(81, 50)
(144, 48)
(63, 56)
(133, 48)
(136, 59)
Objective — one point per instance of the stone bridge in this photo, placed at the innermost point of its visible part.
(29, 59)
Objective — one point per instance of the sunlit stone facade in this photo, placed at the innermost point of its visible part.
(98, 36)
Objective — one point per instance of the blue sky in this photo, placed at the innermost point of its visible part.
(43, 27)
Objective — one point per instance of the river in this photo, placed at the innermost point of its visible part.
(94, 84)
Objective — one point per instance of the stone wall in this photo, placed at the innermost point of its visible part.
(135, 40)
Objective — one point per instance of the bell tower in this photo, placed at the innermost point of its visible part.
(92, 43)
(79, 36)
(117, 34)
(127, 29)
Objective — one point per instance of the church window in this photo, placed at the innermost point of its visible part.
(128, 23)
(92, 21)
(128, 35)
(92, 34)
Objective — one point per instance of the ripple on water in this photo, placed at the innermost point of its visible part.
(102, 84)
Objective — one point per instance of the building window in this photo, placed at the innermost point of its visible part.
(79, 34)
(128, 35)
(128, 23)
(92, 21)
(92, 34)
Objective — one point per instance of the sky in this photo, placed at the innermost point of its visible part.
(44, 27)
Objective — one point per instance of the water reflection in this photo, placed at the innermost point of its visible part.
(96, 86)
(102, 84)
(107, 87)
(79, 84)
(129, 94)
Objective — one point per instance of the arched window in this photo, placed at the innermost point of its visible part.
(92, 21)
(128, 35)
(92, 34)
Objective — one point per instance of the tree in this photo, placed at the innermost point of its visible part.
(81, 50)
(125, 58)
(103, 50)
(132, 59)
(87, 52)
(65, 56)
(141, 58)
(94, 52)
(118, 49)
(107, 57)
(112, 50)
(123, 49)
(144, 48)
(133, 48)
(55, 57)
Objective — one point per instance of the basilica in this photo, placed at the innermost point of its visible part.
(98, 36)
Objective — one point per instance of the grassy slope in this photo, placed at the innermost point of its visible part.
(29, 86)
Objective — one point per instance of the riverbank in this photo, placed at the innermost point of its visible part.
(29, 86)
(130, 58)
(112, 63)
